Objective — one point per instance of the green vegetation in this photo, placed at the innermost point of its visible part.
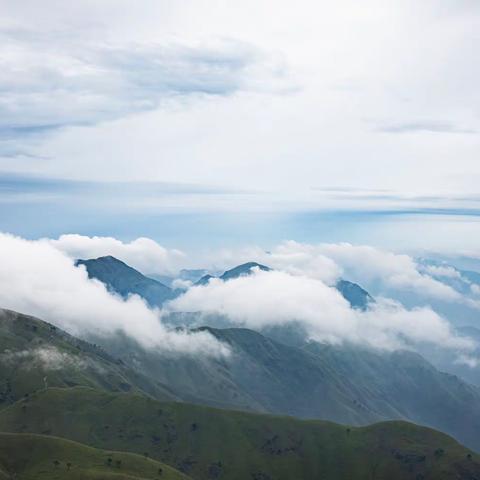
(35, 457)
(207, 443)
(35, 354)
(56, 387)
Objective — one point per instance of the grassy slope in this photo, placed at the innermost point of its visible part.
(208, 444)
(70, 362)
(28, 457)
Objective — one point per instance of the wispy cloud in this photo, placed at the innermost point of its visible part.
(21, 188)
(47, 82)
(424, 126)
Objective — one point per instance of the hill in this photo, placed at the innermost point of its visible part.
(346, 384)
(35, 354)
(125, 280)
(32, 457)
(207, 443)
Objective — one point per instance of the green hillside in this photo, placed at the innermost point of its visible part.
(345, 384)
(35, 457)
(207, 443)
(35, 354)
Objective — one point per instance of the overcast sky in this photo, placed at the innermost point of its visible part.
(152, 109)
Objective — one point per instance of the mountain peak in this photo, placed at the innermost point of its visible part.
(125, 280)
(354, 294)
(242, 270)
(205, 279)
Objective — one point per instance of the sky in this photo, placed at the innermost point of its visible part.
(209, 123)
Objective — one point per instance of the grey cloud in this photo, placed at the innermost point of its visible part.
(46, 84)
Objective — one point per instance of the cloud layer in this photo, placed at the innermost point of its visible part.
(269, 298)
(384, 271)
(38, 279)
(53, 80)
(143, 254)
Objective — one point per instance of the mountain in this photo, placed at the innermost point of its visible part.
(192, 275)
(466, 367)
(208, 444)
(205, 279)
(29, 456)
(354, 294)
(35, 354)
(238, 271)
(125, 280)
(346, 383)
(242, 270)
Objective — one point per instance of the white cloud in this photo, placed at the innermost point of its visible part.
(442, 271)
(47, 358)
(181, 284)
(55, 79)
(386, 271)
(292, 257)
(38, 279)
(468, 360)
(366, 265)
(62, 67)
(143, 254)
(475, 289)
(276, 298)
(303, 259)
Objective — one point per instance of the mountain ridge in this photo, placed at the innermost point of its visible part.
(253, 446)
(125, 280)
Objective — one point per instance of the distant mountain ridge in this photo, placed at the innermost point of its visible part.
(345, 384)
(354, 294)
(238, 271)
(125, 280)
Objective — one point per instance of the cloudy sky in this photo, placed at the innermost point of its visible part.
(213, 123)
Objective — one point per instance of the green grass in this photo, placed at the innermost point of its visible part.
(207, 443)
(35, 457)
(34, 353)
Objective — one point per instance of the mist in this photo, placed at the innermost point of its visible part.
(40, 280)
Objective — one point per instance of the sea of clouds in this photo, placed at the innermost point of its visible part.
(39, 277)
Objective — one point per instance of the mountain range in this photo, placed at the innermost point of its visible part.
(347, 384)
(108, 408)
(60, 388)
